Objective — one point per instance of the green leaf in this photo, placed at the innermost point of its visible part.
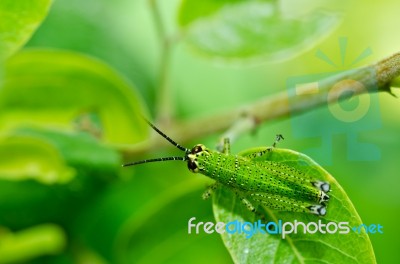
(134, 209)
(237, 30)
(50, 156)
(19, 19)
(26, 157)
(190, 10)
(30, 243)
(54, 172)
(78, 149)
(295, 248)
(71, 92)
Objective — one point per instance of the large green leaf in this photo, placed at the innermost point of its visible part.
(52, 172)
(251, 29)
(296, 248)
(19, 19)
(70, 91)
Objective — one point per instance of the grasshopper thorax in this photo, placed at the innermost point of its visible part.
(192, 157)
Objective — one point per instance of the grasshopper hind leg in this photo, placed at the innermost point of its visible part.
(250, 206)
(281, 203)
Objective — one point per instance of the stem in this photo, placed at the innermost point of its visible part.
(164, 98)
(374, 78)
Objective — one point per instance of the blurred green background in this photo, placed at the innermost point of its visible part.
(70, 104)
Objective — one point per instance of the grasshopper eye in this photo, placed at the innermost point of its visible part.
(192, 166)
(198, 148)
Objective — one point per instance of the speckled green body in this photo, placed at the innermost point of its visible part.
(254, 179)
(274, 184)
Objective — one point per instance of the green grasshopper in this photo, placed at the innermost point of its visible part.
(272, 184)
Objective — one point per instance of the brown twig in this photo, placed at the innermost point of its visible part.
(369, 79)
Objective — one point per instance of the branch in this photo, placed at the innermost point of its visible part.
(164, 100)
(370, 79)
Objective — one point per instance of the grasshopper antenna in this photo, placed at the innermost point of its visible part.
(153, 160)
(166, 137)
(186, 150)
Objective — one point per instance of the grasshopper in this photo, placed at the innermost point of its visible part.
(272, 184)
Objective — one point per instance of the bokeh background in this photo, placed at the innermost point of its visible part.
(64, 197)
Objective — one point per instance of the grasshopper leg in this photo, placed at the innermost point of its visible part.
(209, 191)
(227, 147)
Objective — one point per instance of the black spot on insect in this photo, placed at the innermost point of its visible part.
(192, 166)
(197, 149)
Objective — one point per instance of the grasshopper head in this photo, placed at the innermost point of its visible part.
(193, 155)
